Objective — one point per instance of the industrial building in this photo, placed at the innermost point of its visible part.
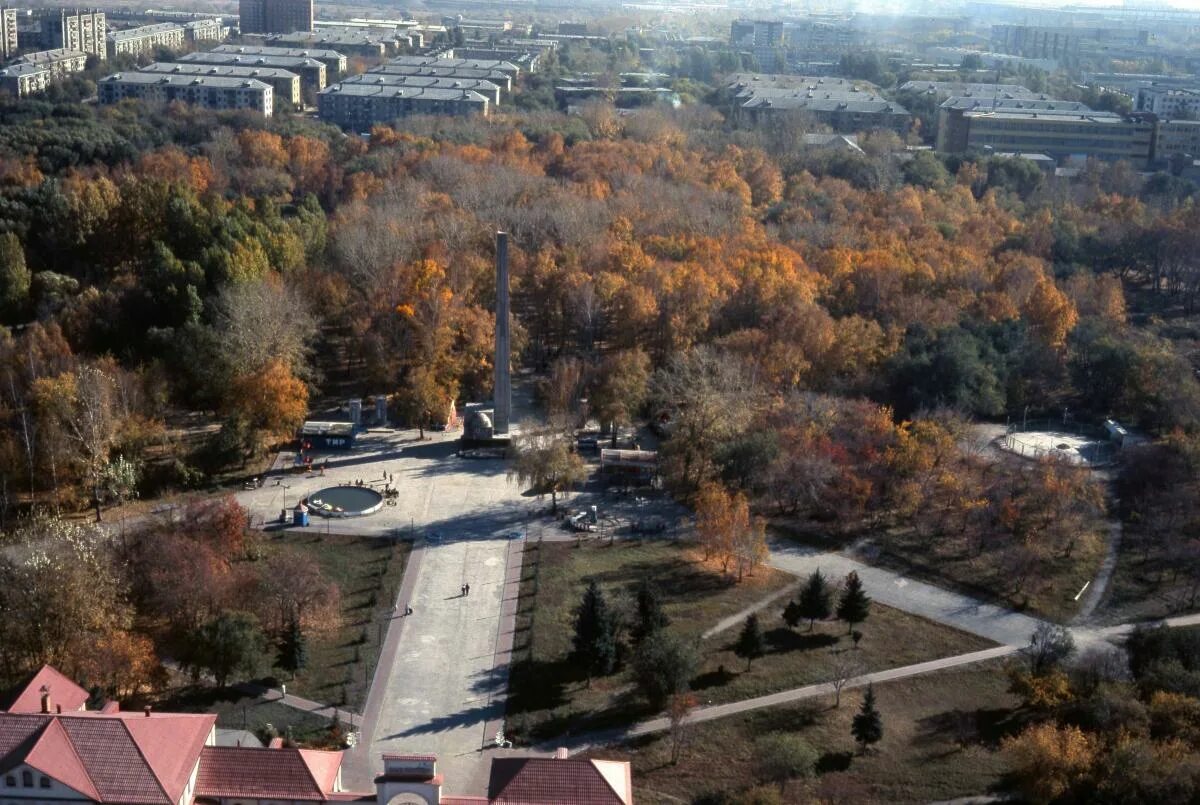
(335, 63)
(359, 106)
(1057, 133)
(312, 73)
(145, 39)
(204, 91)
(275, 16)
(284, 83)
(56, 28)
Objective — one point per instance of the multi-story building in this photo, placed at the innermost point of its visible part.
(206, 30)
(8, 33)
(21, 79)
(1177, 140)
(275, 16)
(348, 44)
(71, 30)
(335, 63)
(358, 106)
(1171, 103)
(1059, 134)
(284, 84)
(953, 127)
(842, 114)
(59, 62)
(312, 72)
(508, 68)
(1063, 42)
(145, 39)
(488, 89)
(208, 92)
(502, 80)
(957, 89)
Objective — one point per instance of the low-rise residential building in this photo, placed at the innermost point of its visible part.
(845, 115)
(284, 83)
(359, 106)
(491, 65)
(963, 89)
(198, 32)
(313, 74)
(145, 39)
(488, 89)
(502, 80)
(348, 44)
(22, 80)
(59, 62)
(210, 92)
(335, 63)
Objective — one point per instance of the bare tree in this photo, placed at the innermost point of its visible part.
(679, 711)
(260, 322)
(843, 667)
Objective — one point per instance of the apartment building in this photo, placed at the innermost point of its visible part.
(943, 90)
(359, 106)
(502, 80)
(335, 63)
(512, 70)
(8, 33)
(275, 16)
(21, 80)
(198, 32)
(284, 84)
(57, 28)
(1177, 140)
(144, 39)
(313, 74)
(845, 115)
(210, 92)
(1063, 42)
(60, 62)
(487, 89)
(348, 44)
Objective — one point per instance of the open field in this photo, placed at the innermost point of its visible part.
(369, 571)
(1149, 585)
(549, 697)
(940, 737)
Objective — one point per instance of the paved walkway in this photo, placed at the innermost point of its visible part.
(910, 595)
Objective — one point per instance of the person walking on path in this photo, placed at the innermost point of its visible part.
(466, 589)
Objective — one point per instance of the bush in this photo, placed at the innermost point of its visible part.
(663, 665)
(783, 756)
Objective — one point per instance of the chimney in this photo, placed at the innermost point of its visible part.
(561, 753)
(58, 709)
(146, 710)
(502, 389)
(45, 699)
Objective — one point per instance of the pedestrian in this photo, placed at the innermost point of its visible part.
(408, 610)
(467, 588)
(462, 590)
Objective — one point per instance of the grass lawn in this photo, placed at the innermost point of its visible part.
(239, 711)
(1148, 586)
(941, 732)
(1048, 590)
(549, 697)
(369, 571)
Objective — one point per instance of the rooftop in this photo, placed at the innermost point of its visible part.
(145, 30)
(391, 91)
(432, 82)
(48, 56)
(249, 772)
(218, 82)
(62, 690)
(231, 70)
(247, 60)
(263, 50)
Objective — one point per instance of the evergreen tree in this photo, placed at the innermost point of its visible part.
(750, 644)
(650, 615)
(816, 599)
(292, 654)
(855, 604)
(663, 666)
(595, 640)
(793, 614)
(867, 727)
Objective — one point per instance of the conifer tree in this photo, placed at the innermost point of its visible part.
(595, 640)
(867, 726)
(750, 644)
(292, 655)
(650, 615)
(816, 599)
(855, 604)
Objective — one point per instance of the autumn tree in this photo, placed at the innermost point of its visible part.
(423, 400)
(545, 459)
(726, 531)
(268, 404)
(15, 278)
(619, 388)
(1047, 761)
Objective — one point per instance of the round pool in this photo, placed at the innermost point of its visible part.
(345, 501)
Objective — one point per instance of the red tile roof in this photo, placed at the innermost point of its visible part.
(125, 757)
(549, 781)
(227, 771)
(63, 692)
